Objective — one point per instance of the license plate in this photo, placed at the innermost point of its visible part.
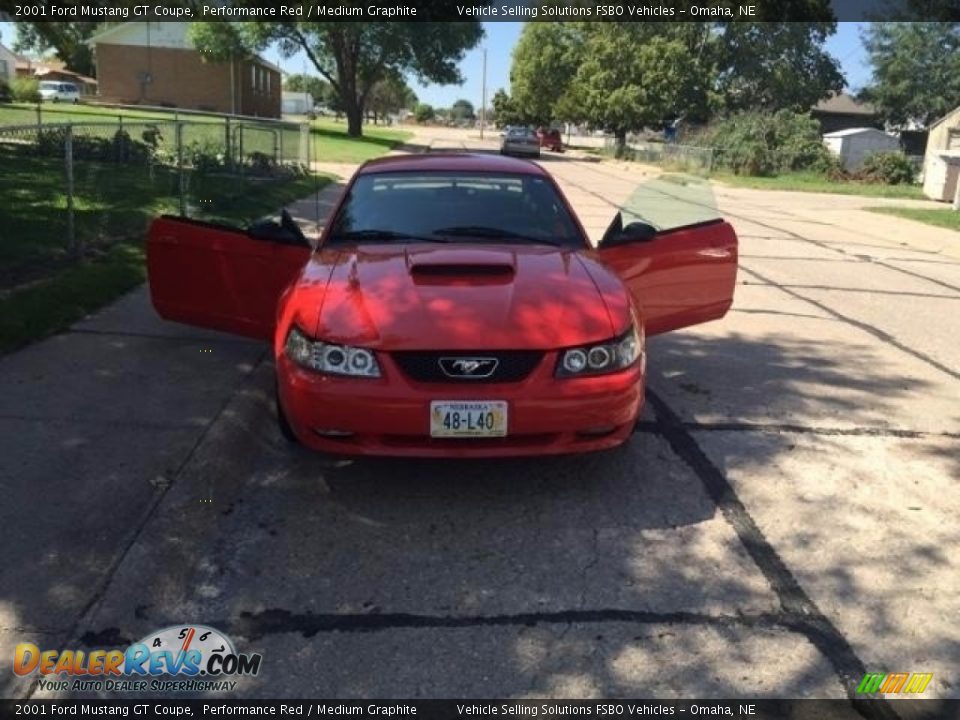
(468, 419)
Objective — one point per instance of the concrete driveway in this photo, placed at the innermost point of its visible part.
(784, 519)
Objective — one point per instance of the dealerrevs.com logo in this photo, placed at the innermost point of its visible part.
(186, 657)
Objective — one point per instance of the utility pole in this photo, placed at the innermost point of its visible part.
(483, 100)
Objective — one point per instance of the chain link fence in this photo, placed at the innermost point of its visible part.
(74, 188)
(670, 156)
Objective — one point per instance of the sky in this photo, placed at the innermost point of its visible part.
(499, 40)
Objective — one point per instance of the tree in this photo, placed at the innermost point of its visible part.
(462, 110)
(775, 66)
(317, 88)
(352, 57)
(916, 70)
(631, 76)
(68, 40)
(424, 113)
(767, 65)
(389, 96)
(544, 59)
(505, 109)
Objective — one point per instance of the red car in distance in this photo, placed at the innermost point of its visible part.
(454, 307)
(550, 139)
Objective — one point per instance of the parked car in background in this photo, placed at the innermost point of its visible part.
(520, 141)
(550, 139)
(56, 91)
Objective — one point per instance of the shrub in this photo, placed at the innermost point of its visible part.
(205, 156)
(424, 113)
(261, 164)
(755, 143)
(889, 168)
(25, 89)
(5, 95)
(121, 147)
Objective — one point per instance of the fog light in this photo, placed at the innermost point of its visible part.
(597, 431)
(327, 432)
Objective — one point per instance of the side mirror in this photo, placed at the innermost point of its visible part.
(617, 234)
(285, 232)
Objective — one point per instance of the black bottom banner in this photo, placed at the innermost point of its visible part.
(509, 709)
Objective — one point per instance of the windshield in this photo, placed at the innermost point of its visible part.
(454, 207)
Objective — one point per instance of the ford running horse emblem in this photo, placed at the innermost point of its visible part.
(472, 368)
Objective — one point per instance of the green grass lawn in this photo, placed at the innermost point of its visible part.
(812, 182)
(941, 217)
(26, 114)
(41, 291)
(332, 144)
(330, 140)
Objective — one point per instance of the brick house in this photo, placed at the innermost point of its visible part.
(154, 63)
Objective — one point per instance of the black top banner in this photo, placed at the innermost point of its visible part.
(508, 709)
(490, 11)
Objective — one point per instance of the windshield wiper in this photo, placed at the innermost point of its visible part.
(482, 231)
(374, 235)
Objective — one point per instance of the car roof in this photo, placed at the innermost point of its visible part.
(451, 162)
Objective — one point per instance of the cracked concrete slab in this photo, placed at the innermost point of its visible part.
(868, 526)
(613, 660)
(629, 529)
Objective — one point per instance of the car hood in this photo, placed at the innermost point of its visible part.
(461, 297)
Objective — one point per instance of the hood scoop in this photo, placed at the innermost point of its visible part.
(461, 263)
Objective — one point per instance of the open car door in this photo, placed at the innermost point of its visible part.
(679, 277)
(217, 277)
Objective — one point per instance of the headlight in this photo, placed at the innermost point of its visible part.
(330, 358)
(606, 357)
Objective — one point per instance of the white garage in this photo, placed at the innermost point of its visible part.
(941, 177)
(853, 146)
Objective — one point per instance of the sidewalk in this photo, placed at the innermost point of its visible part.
(95, 424)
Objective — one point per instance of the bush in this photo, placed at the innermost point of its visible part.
(888, 168)
(5, 95)
(205, 156)
(424, 113)
(755, 143)
(25, 89)
(261, 164)
(50, 142)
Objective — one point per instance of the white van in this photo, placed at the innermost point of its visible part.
(55, 91)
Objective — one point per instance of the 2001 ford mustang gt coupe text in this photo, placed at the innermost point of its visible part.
(453, 307)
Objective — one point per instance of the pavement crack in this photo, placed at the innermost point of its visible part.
(254, 626)
(100, 588)
(876, 332)
(799, 610)
(788, 428)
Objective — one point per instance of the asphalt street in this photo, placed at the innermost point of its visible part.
(784, 519)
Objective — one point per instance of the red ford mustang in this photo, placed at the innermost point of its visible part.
(454, 307)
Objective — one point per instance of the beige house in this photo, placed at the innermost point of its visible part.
(8, 64)
(155, 63)
(941, 164)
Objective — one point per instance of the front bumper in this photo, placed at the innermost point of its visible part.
(390, 415)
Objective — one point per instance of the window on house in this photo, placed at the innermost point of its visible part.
(266, 74)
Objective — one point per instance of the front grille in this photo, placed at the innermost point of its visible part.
(424, 366)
